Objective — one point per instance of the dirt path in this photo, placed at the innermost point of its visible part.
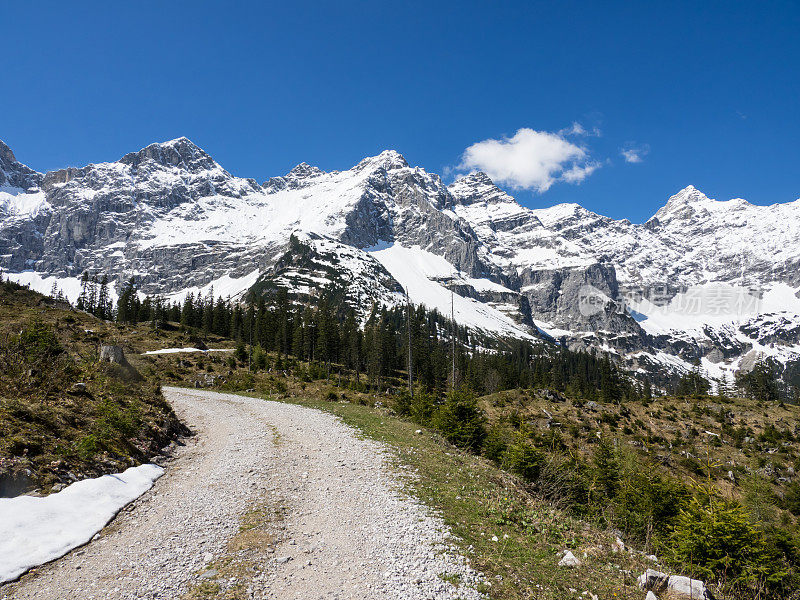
(268, 500)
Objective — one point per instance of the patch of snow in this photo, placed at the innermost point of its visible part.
(43, 283)
(223, 287)
(15, 202)
(178, 350)
(34, 530)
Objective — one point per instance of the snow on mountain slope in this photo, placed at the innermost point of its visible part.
(262, 218)
(38, 282)
(16, 203)
(422, 274)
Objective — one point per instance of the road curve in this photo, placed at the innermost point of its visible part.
(268, 500)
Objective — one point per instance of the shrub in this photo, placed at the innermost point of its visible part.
(523, 459)
(717, 538)
(260, 360)
(240, 353)
(38, 342)
(495, 445)
(402, 403)
(423, 407)
(461, 421)
(607, 469)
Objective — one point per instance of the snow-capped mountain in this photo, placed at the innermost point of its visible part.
(176, 220)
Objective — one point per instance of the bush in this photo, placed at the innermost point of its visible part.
(607, 470)
(461, 421)
(522, 459)
(240, 353)
(495, 445)
(423, 407)
(717, 540)
(38, 342)
(274, 385)
(259, 359)
(402, 403)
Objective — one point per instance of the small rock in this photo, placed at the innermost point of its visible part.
(651, 596)
(617, 546)
(283, 560)
(418, 431)
(569, 560)
(209, 574)
(208, 557)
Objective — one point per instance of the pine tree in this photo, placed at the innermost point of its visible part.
(83, 299)
(102, 311)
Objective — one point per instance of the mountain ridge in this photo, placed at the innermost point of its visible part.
(171, 216)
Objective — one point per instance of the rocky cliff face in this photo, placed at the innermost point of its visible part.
(172, 217)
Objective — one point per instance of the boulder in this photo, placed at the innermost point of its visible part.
(112, 354)
(653, 580)
(677, 587)
(685, 588)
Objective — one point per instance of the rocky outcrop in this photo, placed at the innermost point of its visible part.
(13, 173)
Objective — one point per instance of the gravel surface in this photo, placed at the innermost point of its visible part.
(338, 526)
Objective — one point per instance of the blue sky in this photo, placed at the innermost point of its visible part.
(704, 93)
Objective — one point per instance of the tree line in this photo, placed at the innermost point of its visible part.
(330, 334)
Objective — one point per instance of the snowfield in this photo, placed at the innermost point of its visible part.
(34, 530)
(417, 270)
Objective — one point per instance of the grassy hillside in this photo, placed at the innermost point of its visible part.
(64, 415)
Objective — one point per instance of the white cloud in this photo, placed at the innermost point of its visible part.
(574, 129)
(578, 173)
(530, 160)
(579, 130)
(634, 153)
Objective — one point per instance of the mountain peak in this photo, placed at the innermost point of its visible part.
(388, 159)
(180, 152)
(13, 173)
(304, 170)
(681, 205)
(6, 155)
(477, 187)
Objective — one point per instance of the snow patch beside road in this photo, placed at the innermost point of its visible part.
(34, 530)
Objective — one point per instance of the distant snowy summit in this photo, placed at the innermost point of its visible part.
(173, 218)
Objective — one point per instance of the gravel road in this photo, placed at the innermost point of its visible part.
(268, 500)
